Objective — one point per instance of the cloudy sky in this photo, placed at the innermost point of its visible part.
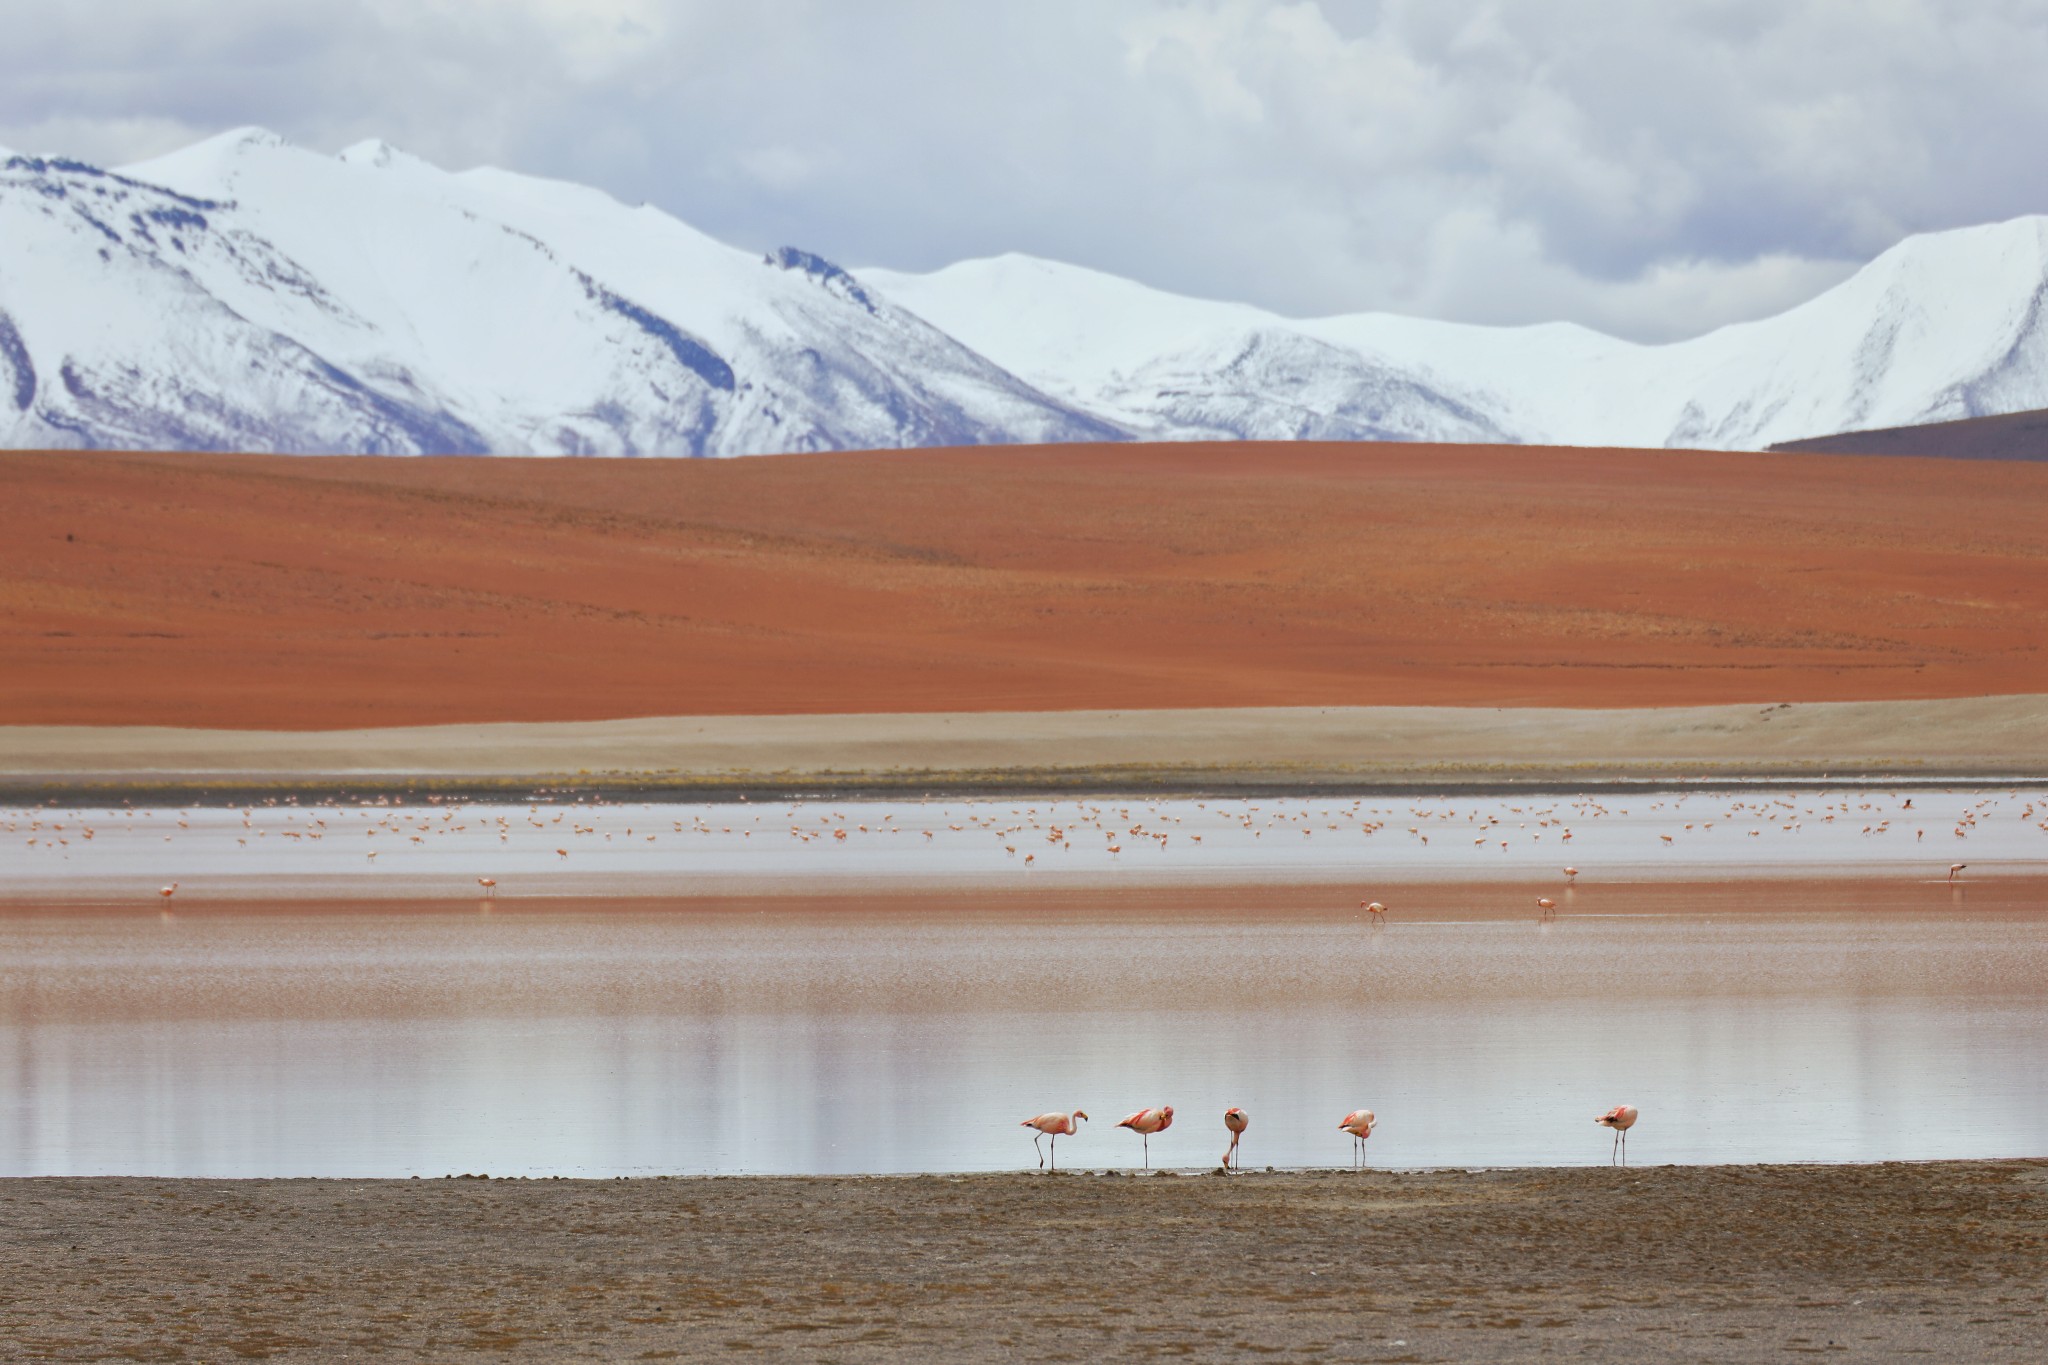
(1649, 167)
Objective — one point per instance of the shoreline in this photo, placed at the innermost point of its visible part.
(1109, 848)
(1694, 1263)
(1230, 752)
(1460, 895)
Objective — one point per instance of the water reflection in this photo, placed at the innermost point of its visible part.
(593, 1041)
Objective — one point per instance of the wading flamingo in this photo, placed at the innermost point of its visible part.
(168, 891)
(1375, 909)
(1546, 905)
(489, 884)
(1145, 1123)
(1571, 874)
(1359, 1123)
(1056, 1126)
(1954, 868)
(1620, 1118)
(1235, 1120)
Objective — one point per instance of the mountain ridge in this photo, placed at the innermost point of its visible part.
(247, 294)
(1877, 345)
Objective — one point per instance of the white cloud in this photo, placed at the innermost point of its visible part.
(1654, 169)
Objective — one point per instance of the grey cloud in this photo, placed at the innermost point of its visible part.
(1649, 169)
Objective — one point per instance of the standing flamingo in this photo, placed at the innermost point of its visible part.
(1375, 909)
(1620, 1118)
(168, 891)
(1236, 1121)
(1359, 1123)
(1546, 905)
(489, 884)
(1056, 1125)
(1146, 1122)
(1571, 874)
(1954, 868)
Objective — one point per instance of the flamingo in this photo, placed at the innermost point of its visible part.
(1620, 1118)
(168, 891)
(1359, 1123)
(489, 884)
(1145, 1123)
(1056, 1125)
(1571, 874)
(1954, 868)
(1235, 1120)
(1375, 909)
(1546, 905)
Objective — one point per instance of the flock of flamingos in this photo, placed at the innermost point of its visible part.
(1359, 1123)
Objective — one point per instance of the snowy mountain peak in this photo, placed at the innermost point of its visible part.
(1949, 324)
(248, 294)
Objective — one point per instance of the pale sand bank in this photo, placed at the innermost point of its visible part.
(1285, 747)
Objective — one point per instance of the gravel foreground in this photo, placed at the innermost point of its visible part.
(1945, 1260)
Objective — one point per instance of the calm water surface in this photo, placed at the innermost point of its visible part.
(604, 1041)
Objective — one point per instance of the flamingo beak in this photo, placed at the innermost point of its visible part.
(1079, 1114)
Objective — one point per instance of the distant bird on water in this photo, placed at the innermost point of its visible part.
(489, 884)
(1375, 909)
(1055, 1125)
(1236, 1121)
(1954, 868)
(1571, 874)
(1145, 1123)
(1359, 1123)
(1620, 1118)
(168, 891)
(1546, 905)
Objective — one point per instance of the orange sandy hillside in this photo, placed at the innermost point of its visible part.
(288, 592)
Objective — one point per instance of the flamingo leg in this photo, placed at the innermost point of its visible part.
(1040, 1150)
(1055, 1146)
(1146, 1138)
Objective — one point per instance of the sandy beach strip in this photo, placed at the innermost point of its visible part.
(1733, 1263)
(1988, 739)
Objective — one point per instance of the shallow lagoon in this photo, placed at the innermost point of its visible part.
(1792, 1021)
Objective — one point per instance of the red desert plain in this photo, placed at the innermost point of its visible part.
(295, 593)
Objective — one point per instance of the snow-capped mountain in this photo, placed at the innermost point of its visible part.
(246, 294)
(1946, 325)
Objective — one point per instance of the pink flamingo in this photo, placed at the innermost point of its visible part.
(1146, 1122)
(1359, 1123)
(1571, 874)
(1954, 868)
(168, 891)
(1620, 1118)
(489, 884)
(1057, 1125)
(1546, 905)
(1236, 1121)
(1375, 909)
